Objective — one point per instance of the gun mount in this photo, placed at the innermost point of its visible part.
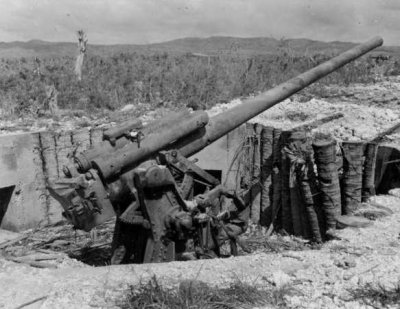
(142, 175)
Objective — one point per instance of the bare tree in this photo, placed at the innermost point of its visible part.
(82, 41)
(52, 99)
(38, 70)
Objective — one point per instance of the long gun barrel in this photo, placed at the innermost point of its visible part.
(223, 123)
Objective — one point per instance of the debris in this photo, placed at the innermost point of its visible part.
(380, 206)
(289, 255)
(127, 107)
(30, 262)
(372, 212)
(352, 221)
(395, 192)
(6, 236)
(13, 241)
(279, 279)
(55, 243)
(385, 133)
(31, 302)
(192, 286)
(345, 263)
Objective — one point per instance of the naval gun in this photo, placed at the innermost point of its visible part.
(142, 175)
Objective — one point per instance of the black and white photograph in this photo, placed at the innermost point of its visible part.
(199, 154)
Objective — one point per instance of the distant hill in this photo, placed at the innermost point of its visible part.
(206, 46)
(250, 45)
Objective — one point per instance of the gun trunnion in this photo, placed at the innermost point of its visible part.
(141, 174)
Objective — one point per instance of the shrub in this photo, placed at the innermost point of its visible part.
(196, 294)
(110, 82)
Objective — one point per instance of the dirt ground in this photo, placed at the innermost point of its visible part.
(321, 278)
(318, 278)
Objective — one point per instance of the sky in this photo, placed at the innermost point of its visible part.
(150, 21)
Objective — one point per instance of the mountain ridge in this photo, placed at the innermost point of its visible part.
(214, 45)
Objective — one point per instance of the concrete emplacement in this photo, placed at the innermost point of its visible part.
(29, 160)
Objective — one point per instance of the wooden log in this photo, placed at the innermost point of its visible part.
(287, 224)
(30, 262)
(295, 202)
(307, 198)
(247, 158)
(368, 179)
(276, 179)
(256, 175)
(297, 151)
(11, 242)
(266, 171)
(384, 154)
(318, 122)
(325, 158)
(306, 181)
(352, 176)
(379, 137)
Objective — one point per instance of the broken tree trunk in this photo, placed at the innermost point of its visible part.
(82, 42)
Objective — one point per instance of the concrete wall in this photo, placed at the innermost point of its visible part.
(22, 177)
(219, 155)
(28, 161)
